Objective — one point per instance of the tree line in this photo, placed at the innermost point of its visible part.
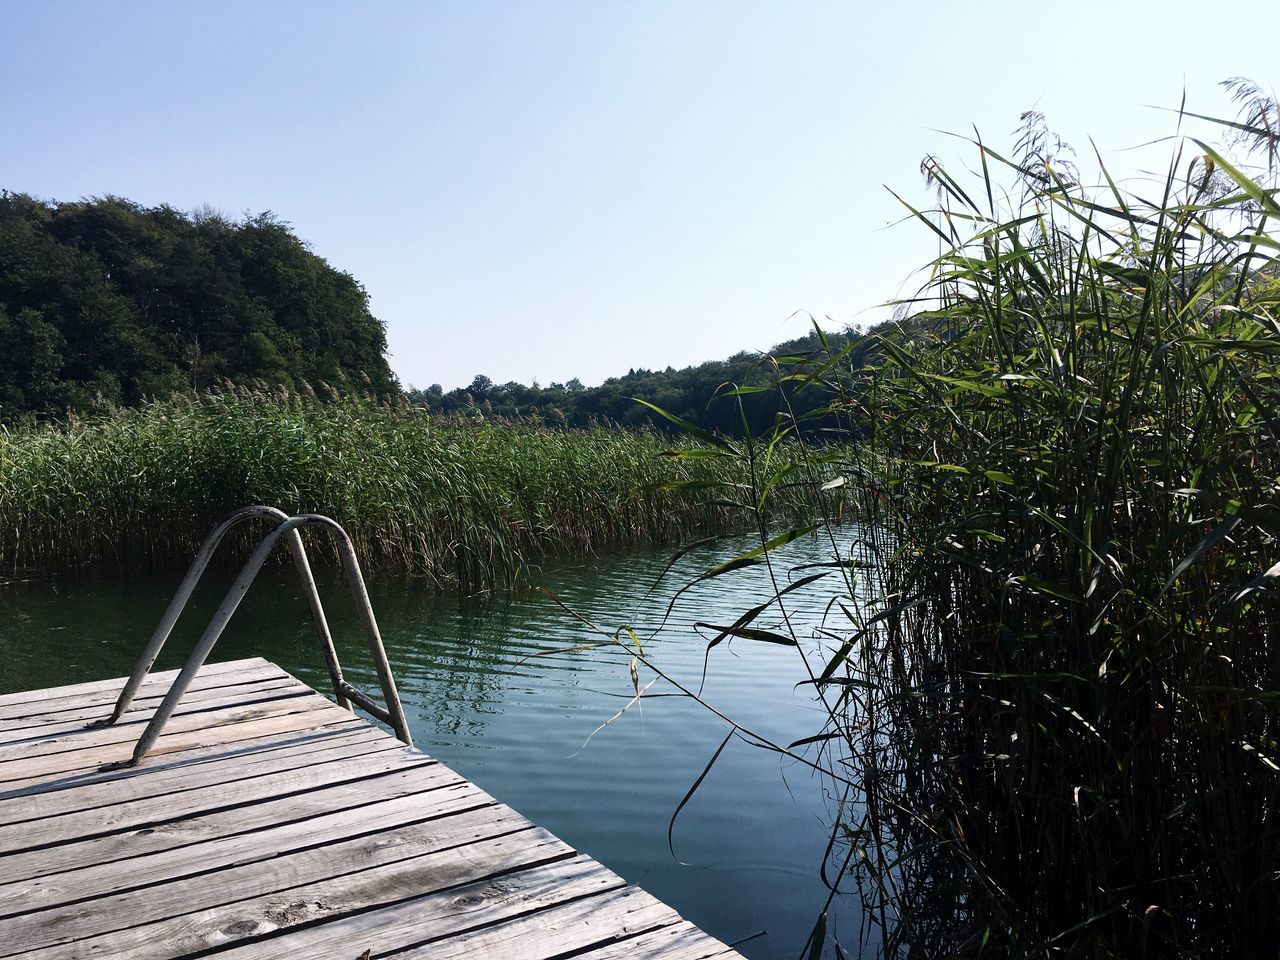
(105, 302)
(718, 395)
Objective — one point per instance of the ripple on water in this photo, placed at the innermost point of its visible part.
(512, 692)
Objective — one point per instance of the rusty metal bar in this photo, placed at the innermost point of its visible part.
(366, 702)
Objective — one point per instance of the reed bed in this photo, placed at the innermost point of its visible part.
(1070, 673)
(461, 503)
(1051, 692)
(1072, 695)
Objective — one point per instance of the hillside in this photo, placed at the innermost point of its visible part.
(104, 301)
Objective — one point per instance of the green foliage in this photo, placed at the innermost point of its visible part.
(1078, 506)
(694, 394)
(458, 502)
(107, 302)
(1051, 708)
(30, 357)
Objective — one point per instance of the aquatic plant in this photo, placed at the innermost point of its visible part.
(459, 502)
(1051, 689)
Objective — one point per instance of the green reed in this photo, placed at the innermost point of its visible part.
(1073, 714)
(1051, 695)
(469, 503)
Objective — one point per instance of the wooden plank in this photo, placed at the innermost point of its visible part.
(152, 690)
(66, 734)
(299, 714)
(229, 924)
(361, 741)
(337, 842)
(192, 756)
(144, 706)
(680, 941)
(106, 691)
(300, 887)
(231, 821)
(295, 795)
(267, 822)
(618, 915)
(448, 910)
(562, 929)
(83, 737)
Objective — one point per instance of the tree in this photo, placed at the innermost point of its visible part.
(120, 302)
(30, 357)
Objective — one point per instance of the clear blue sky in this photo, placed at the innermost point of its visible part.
(548, 190)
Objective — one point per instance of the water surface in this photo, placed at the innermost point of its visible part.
(492, 687)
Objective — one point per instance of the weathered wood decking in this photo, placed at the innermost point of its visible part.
(269, 823)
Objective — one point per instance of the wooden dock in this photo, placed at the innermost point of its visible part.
(269, 823)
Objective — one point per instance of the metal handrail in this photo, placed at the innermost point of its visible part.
(287, 527)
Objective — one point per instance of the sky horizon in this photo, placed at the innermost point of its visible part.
(543, 192)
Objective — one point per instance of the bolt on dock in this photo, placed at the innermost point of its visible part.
(266, 822)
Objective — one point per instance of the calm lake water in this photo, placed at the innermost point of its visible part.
(487, 693)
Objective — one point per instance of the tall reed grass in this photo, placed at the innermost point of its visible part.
(458, 502)
(1051, 699)
(1072, 680)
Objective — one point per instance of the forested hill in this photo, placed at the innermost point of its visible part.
(106, 300)
(687, 393)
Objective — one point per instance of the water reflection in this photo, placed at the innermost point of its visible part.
(495, 688)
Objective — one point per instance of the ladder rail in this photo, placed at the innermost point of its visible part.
(195, 572)
(287, 528)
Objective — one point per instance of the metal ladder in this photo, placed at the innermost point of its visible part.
(390, 711)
